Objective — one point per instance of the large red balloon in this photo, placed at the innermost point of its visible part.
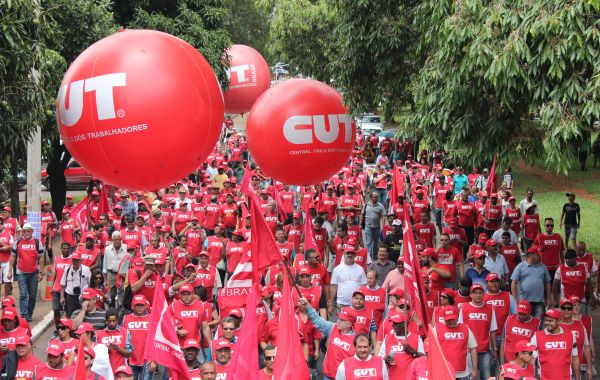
(249, 77)
(140, 109)
(299, 132)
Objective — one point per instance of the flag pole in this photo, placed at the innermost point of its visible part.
(289, 272)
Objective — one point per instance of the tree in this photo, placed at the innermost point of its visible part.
(248, 24)
(201, 23)
(301, 35)
(26, 29)
(516, 78)
(78, 24)
(376, 55)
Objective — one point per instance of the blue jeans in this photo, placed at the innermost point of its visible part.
(382, 196)
(537, 310)
(372, 240)
(484, 362)
(138, 371)
(28, 286)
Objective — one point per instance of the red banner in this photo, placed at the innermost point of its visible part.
(244, 362)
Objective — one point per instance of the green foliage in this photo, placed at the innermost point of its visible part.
(377, 57)
(248, 24)
(492, 68)
(25, 28)
(201, 23)
(301, 35)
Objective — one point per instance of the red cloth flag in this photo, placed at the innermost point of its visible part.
(80, 367)
(244, 362)
(412, 271)
(238, 287)
(280, 207)
(245, 186)
(264, 249)
(162, 345)
(79, 212)
(437, 366)
(309, 235)
(492, 183)
(289, 361)
(104, 207)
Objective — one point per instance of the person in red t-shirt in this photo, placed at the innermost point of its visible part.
(55, 367)
(26, 360)
(448, 257)
(522, 366)
(551, 247)
(267, 372)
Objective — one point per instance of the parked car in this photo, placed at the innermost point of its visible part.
(77, 176)
(389, 133)
(371, 123)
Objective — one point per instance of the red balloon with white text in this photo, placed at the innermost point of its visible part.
(249, 77)
(140, 109)
(299, 132)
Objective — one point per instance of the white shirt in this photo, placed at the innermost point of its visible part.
(497, 266)
(348, 279)
(75, 278)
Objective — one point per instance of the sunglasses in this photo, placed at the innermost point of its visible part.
(314, 257)
(549, 225)
(269, 358)
(527, 352)
(62, 328)
(404, 306)
(566, 308)
(228, 328)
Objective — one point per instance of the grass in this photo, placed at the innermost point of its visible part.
(551, 201)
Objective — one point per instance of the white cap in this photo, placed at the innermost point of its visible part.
(27, 226)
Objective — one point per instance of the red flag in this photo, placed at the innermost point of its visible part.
(264, 249)
(309, 235)
(289, 361)
(245, 186)
(280, 207)
(79, 213)
(80, 367)
(437, 365)
(104, 207)
(492, 183)
(162, 345)
(412, 271)
(244, 362)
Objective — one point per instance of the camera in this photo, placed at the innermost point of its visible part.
(76, 291)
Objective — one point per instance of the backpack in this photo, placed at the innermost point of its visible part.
(128, 294)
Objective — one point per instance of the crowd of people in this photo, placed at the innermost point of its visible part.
(506, 295)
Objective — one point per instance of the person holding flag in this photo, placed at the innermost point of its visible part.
(340, 342)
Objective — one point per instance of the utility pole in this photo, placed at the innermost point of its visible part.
(34, 161)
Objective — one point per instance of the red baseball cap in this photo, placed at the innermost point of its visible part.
(89, 351)
(95, 192)
(124, 369)
(303, 271)
(186, 288)
(44, 203)
(22, 340)
(8, 301)
(492, 276)
(428, 252)
(88, 294)
(190, 343)
(76, 255)
(553, 313)
(482, 238)
(397, 292)
(524, 346)
(448, 292)
(66, 210)
(138, 299)
(84, 327)
(476, 286)
(55, 348)
(203, 253)
(574, 300)
(132, 244)
(479, 255)
(450, 312)
(90, 235)
(296, 215)
(66, 322)
(358, 291)
(222, 343)
(236, 313)
(524, 307)
(565, 301)
(396, 317)
(9, 313)
(491, 243)
(345, 316)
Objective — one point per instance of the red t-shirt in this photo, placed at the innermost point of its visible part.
(447, 259)
(25, 368)
(551, 247)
